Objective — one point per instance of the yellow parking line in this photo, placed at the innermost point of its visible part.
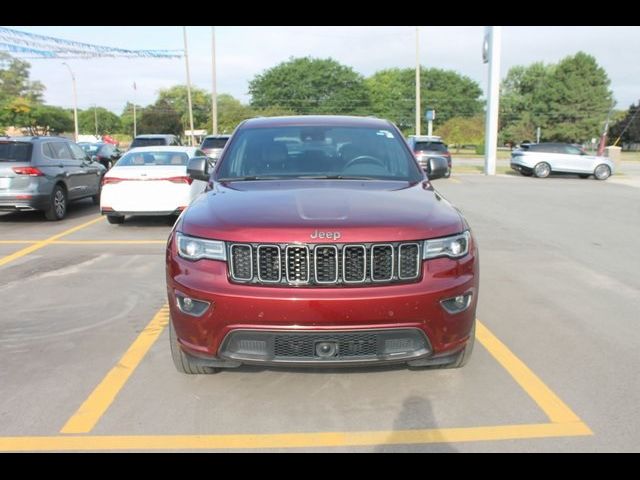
(86, 417)
(549, 402)
(44, 243)
(110, 242)
(290, 440)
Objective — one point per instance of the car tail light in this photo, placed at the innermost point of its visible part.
(110, 180)
(187, 180)
(29, 171)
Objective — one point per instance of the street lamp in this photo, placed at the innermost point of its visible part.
(75, 101)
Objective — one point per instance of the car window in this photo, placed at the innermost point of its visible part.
(571, 150)
(430, 147)
(15, 151)
(150, 159)
(320, 151)
(148, 142)
(76, 152)
(214, 143)
(56, 150)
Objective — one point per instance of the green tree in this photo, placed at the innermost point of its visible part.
(311, 86)
(126, 118)
(569, 101)
(462, 131)
(230, 113)
(14, 81)
(392, 93)
(107, 121)
(160, 117)
(627, 128)
(40, 119)
(176, 96)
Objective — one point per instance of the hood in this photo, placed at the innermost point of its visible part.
(319, 211)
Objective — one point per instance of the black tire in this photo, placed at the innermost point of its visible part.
(602, 172)
(542, 170)
(115, 219)
(57, 205)
(183, 362)
(448, 174)
(463, 357)
(583, 175)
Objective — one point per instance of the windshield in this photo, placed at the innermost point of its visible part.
(142, 159)
(214, 142)
(148, 142)
(318, 152)
(430, 147)
(89, 148)
(15, 152)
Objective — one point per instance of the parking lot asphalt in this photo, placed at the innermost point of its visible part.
(86, 363)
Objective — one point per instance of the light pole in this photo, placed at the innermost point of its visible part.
(491, 55)
(75, 101)
(214, 93)
(186, 61)
(418, 126)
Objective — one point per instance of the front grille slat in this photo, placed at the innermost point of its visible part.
(325, 264)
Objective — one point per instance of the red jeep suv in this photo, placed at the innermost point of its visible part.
(320, 242)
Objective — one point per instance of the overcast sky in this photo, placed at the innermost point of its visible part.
(243, 52)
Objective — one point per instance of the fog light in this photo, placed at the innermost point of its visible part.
(195, 308)
(457, 304)
(326, 349)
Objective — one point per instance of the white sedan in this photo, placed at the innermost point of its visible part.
(150, 181)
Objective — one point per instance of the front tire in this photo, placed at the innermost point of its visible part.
(542, 170)
(183, 362)
(602, 172)
(58, 204)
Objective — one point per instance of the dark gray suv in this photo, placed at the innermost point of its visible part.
(46, 173)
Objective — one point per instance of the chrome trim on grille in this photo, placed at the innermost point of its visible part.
(373, 247)
(315, 263)
(418, 260)
(344, 265)
(286, 261)
(250, 261)
(279, 263)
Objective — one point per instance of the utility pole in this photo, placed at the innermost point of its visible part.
(418, 126)
(491, 54)
(75, 101)
(135, 123)
(538, 135)
(186, 61)
(95, 117)
(214, 92)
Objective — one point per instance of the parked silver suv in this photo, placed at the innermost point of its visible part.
(542, 159)
(45, 173)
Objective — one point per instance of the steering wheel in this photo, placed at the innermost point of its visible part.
(364, 159)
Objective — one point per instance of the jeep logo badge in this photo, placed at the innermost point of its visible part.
(328, 235)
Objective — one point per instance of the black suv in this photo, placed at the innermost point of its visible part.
(45, 173)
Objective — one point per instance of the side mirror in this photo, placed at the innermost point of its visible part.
(437, 167)
(198, 168)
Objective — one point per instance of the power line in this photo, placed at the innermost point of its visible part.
(45, 47)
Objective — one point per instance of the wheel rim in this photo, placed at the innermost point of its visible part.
(602, 171)
(59, 203)
(542, 170)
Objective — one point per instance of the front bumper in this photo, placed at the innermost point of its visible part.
(240, 317)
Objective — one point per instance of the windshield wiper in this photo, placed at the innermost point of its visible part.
(250, 178)
(336, 177)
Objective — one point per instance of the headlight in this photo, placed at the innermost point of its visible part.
(193, 248)
(455, 246)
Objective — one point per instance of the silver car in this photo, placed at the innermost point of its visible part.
(213, 145)
(542, 159)
(45, 173)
